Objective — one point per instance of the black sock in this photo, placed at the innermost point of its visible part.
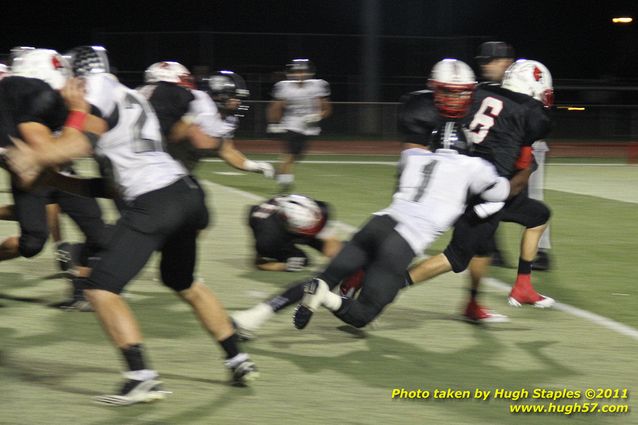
(230, 346)
(473, 294)
(408, 279)
(524, 267)
(134, 356)
(292, 295)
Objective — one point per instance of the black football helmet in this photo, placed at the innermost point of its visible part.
(86, 60)
(451, 136)
(298, 67)
(225, 85)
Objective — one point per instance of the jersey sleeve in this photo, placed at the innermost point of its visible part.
(279, 91)
(538, 123)
(486, 183)
(323, 88)
(415, 121)
(206, 115)
(170, 102)
(101, 93)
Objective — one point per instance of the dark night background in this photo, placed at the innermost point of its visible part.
(575, 39)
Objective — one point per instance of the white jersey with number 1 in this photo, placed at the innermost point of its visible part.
(433, 190)
(133, 143)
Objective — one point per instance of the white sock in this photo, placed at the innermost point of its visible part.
(332, 301)
(286, 178)
(141, 375)
(253, 318)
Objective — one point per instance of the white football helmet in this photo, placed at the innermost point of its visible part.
(453, 83)
(169, 72)
(44, 64)
(531, 78)
(302, 214)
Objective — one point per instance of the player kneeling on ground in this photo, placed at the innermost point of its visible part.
(281, 224)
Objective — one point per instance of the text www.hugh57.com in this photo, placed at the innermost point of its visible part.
(570, 409)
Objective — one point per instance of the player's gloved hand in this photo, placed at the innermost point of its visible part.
(312, 119)
(295, 264)
(275, 128)
(486, 209)
(266, 169)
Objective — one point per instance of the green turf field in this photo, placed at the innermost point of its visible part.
(51, 363)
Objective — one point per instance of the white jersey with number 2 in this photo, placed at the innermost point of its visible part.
(133, 143)
(433, 189)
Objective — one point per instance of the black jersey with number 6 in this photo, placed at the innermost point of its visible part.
(504, 124)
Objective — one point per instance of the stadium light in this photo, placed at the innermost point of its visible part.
(622, 20)
(572, 108)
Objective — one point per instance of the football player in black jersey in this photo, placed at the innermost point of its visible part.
(281, 224)
(191, 124)
(494, 57)
(31, 109)
(504, 122)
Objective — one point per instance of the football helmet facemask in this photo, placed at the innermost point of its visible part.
(300, 69)
(453, 83)
(531, 78)
(226, 85)
(86, 60)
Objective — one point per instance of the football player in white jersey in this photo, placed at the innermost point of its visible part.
(192, 124)
(163, 210)
(432, 193)
(299, 104)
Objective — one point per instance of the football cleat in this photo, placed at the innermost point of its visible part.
(475, 313)
(242, 369)
(134, 391)
(521, 295)
(63, 256)
(315, 291)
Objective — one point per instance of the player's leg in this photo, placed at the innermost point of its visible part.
(355, 255)
(384, 278)
(295, 148)
(143, 228)
(30, 212)
(177, 267)
(125, 256)
(534, 215)
(536, 187)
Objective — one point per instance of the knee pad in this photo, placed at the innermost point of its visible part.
(539, 215)
(31, 245)
(358, 314)
(459, 257)
(177, 280)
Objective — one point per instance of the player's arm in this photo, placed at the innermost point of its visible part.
(233, 157)
(95, 187)
(275, 111)
(325, 107)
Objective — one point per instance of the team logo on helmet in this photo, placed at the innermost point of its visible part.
(43, 64)
(302, 214)
(531, 78)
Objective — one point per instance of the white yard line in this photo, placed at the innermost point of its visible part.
(492, 283)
